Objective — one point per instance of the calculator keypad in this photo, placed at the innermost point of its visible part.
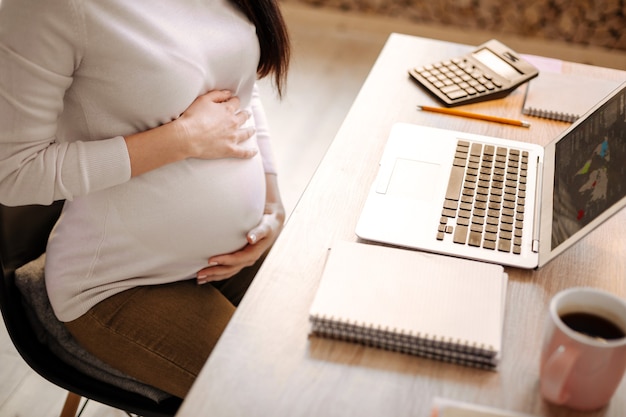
(458, 79)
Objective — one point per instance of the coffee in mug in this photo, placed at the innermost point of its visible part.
(593, 326)
(584, 351)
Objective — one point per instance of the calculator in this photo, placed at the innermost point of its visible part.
(489, 72)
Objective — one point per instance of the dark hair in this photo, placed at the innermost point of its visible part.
(273, 38)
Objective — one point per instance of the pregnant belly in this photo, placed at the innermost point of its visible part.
(193, 209)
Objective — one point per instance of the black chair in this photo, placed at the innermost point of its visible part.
(23, 237)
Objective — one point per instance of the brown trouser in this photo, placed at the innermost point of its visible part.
(162, 334)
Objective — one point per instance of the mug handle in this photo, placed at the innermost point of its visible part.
(556, 371)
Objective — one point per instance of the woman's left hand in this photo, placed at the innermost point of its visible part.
(260, 239)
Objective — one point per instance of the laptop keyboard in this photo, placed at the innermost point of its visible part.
(486, 196)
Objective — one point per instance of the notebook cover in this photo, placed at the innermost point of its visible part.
(413, 302)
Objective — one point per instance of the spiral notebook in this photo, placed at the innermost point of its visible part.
(564, 97)
(412, 302)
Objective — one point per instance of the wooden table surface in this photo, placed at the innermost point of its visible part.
(266, 365)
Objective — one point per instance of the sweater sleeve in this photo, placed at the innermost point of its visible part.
(262, 132)
(39, 52)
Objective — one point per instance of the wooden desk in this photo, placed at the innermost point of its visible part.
(265, 365)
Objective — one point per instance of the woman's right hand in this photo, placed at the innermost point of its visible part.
(212, 126)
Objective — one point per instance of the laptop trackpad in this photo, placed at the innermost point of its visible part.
(413, 179)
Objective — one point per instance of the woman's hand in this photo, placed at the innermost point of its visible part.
(210, 128)
(260, 239)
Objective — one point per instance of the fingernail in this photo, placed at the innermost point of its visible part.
(252, 238)
(213, 264)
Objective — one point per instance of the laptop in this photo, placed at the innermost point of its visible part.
(498, 200)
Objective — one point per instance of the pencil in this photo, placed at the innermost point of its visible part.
(461, 113)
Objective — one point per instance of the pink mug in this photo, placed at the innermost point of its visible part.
(584, 348)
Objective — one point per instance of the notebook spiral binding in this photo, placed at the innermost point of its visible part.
(397, 340)
(547, 114)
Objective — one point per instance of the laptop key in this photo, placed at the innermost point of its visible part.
(460, 234)
(489, 244)
(475, 239)
(448, 213)
(479, 212)
(450, 204)
(454, 183)
(504, 245)
(493, 220)
(459, 162)
(492, 237)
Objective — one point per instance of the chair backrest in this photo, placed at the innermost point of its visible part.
(24, 234)
(23, 237)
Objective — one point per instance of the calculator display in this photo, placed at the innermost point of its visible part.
(489, 72)
(497, 64)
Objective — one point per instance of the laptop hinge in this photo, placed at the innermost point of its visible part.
(537, 215)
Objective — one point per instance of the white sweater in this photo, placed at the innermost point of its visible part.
(78, 75)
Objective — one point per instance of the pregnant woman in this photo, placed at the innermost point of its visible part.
(145, 118)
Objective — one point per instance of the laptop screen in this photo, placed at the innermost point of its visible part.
(590, 168)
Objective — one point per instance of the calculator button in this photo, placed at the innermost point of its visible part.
(454, 95)
(450, 89)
